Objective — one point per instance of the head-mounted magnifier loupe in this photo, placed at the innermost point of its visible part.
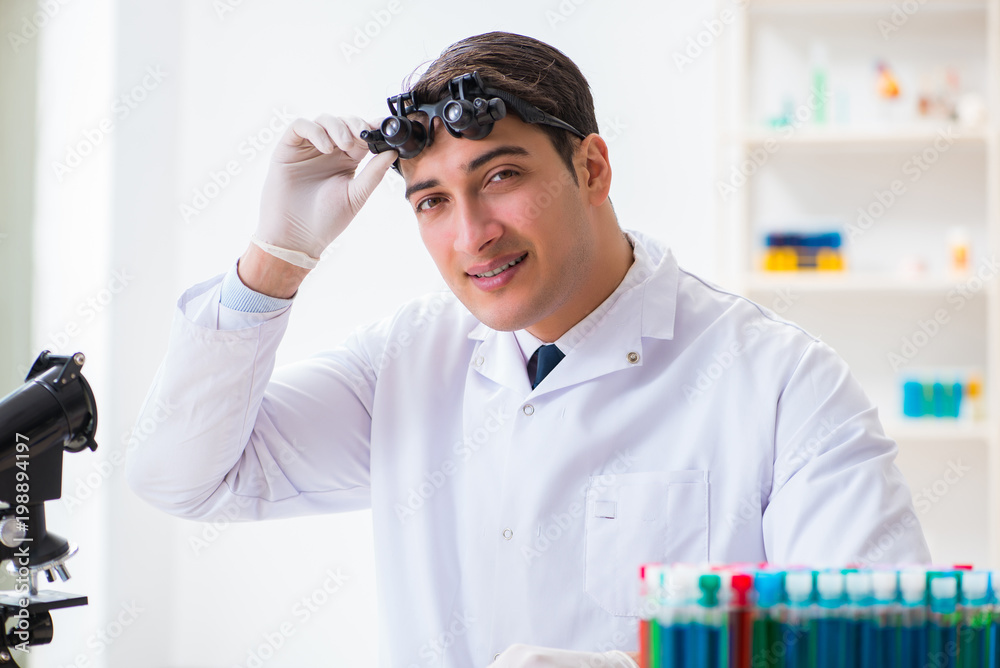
(469, 112)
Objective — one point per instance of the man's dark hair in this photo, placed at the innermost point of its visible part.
(532, 70)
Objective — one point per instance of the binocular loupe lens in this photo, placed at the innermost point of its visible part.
(407, 137)
(459, 114)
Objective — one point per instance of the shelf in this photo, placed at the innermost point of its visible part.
(861, 137)
(918, 431)
(850, 282)
(859, 6)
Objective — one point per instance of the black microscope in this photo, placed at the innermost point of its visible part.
(54, 411)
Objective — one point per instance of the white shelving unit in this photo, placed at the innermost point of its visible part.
(839, 172)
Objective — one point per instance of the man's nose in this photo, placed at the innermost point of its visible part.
(477, 226)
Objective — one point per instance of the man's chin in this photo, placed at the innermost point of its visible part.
(501, 317)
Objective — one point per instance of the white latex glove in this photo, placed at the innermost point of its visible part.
(525, 656)
(311, 192)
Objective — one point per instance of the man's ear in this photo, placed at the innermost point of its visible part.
(594, 169)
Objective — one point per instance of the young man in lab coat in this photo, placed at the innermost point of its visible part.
(678, 422)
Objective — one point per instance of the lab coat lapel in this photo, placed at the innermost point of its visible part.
(498, 357)
(610, 341)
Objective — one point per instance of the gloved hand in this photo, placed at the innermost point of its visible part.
(311, 192)
(525, 656)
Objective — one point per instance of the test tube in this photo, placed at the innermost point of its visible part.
(740, 620)
(675, 638)
(887, 617)
(859, 626)
(796, 628)
(973, 637)
(649, 575)
(831, 650)
(995, 621)
(767, 649)
(913, 635)
(707, 625)
(944, 620)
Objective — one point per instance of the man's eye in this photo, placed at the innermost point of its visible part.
(503, 174)
(427, 204)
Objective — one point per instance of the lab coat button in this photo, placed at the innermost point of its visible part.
(479, 361)
(633, 358)
(508, 534)
(528, 409)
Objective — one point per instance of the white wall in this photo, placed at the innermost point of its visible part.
(224, 74)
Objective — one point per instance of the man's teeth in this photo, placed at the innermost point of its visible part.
(500, 269)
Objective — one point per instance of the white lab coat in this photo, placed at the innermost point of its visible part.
(684, 424)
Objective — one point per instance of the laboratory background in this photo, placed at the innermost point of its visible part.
(837, 162)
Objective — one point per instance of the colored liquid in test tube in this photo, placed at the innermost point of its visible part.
(861, 633)
(831, 640)
(973, 637)
(707, 625)
(914, 631)
(994, 644)
(649, 593)
(676, 625)
(944, 619)
(740, 621)
(796, 631)
(888, 619)
(767, 648)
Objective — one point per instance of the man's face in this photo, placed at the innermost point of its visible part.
(507, 227)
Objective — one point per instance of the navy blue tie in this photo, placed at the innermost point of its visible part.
(542, 362)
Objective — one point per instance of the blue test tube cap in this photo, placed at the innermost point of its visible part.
(768, 586)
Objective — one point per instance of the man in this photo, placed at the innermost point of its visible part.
(673, 421)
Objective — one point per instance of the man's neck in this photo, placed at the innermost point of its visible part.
(612, 266)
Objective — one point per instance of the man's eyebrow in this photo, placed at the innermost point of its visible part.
(499, 151)
(422, 185)
(469, 167)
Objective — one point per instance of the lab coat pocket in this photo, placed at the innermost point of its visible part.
(639, 518)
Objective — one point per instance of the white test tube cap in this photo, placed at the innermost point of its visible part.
(859, 586)
(975, 585)
(913, 586)
(830, 585)
(945, 587)
(798, 586)
(885, 584)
